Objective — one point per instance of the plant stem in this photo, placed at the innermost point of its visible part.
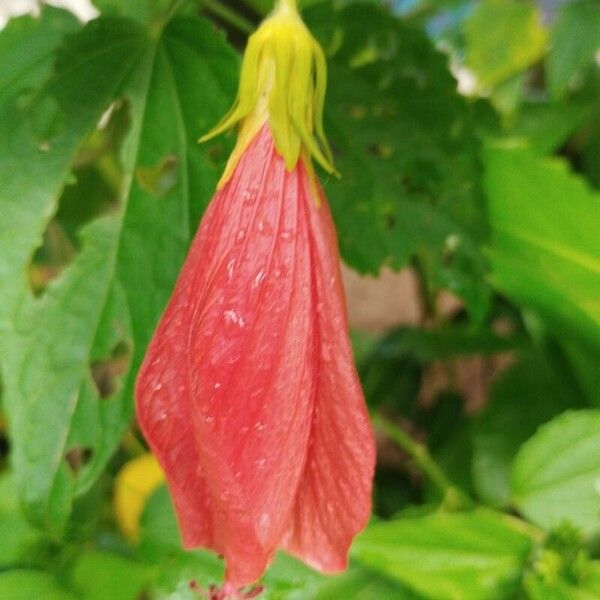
(453, 496)
(228, 15)
(175, 6)
(156, 28)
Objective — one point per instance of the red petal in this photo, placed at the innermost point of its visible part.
(254, 336)
(334, 497)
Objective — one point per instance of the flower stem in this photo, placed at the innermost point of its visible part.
(228, 15)
(453, 497)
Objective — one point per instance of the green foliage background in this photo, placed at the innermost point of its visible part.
(491, 195)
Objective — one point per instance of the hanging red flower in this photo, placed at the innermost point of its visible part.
(248, 394)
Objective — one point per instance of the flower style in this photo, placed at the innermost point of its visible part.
(248, 394)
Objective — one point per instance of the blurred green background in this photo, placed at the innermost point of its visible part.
(467, 134)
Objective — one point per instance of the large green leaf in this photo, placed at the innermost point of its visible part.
(503, 37)
(443, 556)
(545, 247)
(404, 144)
(556, 472)
(574, 42)
(45, 341)
(64, 425)
(528, 394)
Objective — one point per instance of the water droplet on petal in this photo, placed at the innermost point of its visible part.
(231, 268)
(259, 277)
(265, 520)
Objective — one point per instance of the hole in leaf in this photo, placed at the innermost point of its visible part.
(161, 179)
(51, 258)
(107, 373)
(77, 457)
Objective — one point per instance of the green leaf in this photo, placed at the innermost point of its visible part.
(100, 575)
(158, 525)
(17, 535)
(44, 354)
(574, 41)
(404, 145)
(547, 126)
(584, 366)
(64, 421)
(503, 37)
(545, 249)
(27, 47)
(528, 394)
(145, 11)
(25, 585)
(289, 579)
(467, 556)
(557, 588)
(359, 584)
(161, 545)
(556, 472)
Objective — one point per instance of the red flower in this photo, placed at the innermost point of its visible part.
(248, 394)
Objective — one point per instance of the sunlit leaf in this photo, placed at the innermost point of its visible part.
(503, 37)
(468, 556)
(545, 248)
(556, 472)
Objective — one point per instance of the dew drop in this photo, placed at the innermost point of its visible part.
(259, 277)
(232, 317)
(231, 268)
(265, 520)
